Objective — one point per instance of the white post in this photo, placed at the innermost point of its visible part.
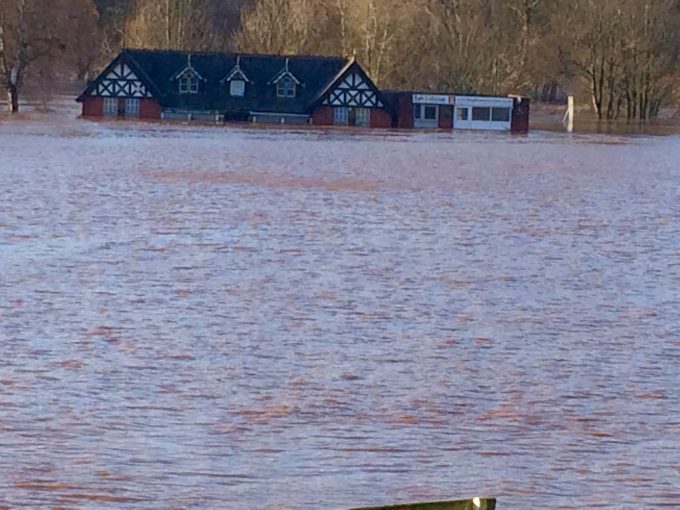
(569, 116)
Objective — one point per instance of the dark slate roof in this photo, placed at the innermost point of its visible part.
(399, 92)
(159, 67)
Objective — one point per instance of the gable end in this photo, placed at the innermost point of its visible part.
(119, 80)
(236, 73)
(351, 88)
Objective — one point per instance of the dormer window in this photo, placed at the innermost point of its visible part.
(237, 80)
(237, 88)
(188, 79)
(188, 83)
(285, 87)
(286, 83)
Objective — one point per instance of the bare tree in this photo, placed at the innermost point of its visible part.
(368, 29)
(371, 30)
(648, 58)
(623, 55)
(286, 27)
(32, 31)
(625, 51)
(171, 24)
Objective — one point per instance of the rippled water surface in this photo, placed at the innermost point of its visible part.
(196, 317)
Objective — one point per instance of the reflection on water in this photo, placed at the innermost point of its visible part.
(233, 318)
(551, 117)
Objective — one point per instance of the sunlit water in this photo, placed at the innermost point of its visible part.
(197, 317)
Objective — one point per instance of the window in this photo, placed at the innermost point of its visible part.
(479, 113)
(285, 87)
(111, 107)
(430, 113)
(188, 83)
(237, 88)
(500, 114)
(341, 116)
(132, 107)
(362, 117)
(463, 114)
(417, 111)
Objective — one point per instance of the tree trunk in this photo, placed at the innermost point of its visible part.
(596, 94)
(12, 98)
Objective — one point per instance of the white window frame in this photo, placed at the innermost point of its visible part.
(362, 116)
(477, 121)
(420, 120)
(286, 87)
(110, 107)
(188, 84)
(434, 109)
(507, 114)
(341, 115)
(237, 88)
(476, 110)
(132, 107)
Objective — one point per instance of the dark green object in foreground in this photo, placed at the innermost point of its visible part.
(467, 504)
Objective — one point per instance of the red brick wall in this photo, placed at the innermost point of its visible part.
(380, 119)
(520, 116)
(405, 111)
(322, 116)
(446, 117)
(93, 107)
(149, 109)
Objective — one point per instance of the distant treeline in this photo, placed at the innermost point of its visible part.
(620, 56)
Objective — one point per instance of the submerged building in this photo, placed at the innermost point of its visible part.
(459, 111)
(322, 91)
(219, 87)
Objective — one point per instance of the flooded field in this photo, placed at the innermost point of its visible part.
(197, 317)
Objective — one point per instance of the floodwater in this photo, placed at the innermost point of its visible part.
(200, 317)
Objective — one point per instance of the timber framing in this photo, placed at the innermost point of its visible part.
(259, 88)
(280, 89)
(351, 87)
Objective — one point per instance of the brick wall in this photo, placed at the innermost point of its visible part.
(520, 116)
(446, 117)
(380, 119)
(93, 107)
(322, 116)
(405, 111)
(149, 109)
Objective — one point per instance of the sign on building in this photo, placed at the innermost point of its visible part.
(439, 99)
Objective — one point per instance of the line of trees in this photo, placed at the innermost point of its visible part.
(35, 35)
(620, 54)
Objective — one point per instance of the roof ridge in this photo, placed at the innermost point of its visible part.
(443, 93)
(234, 54)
